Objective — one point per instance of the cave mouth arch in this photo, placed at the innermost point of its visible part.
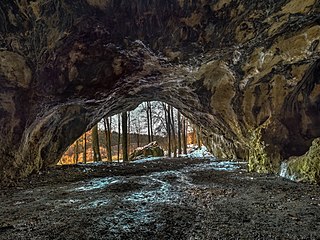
(65, 110)
(73, 126)
(148, 124)
(61, 125)
(57, 124)
(133, 75)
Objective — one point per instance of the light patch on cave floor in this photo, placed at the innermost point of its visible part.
(156, 187)
(159, 189)
(147, 159)
(160, 195)
(98, 183)
(217, 166)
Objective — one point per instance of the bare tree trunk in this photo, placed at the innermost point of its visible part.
(174, 141)
(194, 134)
(138, 140)
(129, 130)
(138, 133)
(179, 134)
(169, 130)
(106, 134)
(106, 125)
(198, 137)
(119, 136)
(85, 148)
(91, 153)
(76, 152)
(95, 144)
(125, 136)
(109, 139)
(148, 122)
(184, 136)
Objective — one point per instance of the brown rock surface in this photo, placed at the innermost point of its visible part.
(248, 72)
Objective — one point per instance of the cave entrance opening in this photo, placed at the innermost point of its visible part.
(154, 130)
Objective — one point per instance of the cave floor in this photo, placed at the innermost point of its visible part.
(164, 199)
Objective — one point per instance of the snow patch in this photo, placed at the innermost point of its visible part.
(218, 166)
(284, 172)
(201, 152)
(147, 159)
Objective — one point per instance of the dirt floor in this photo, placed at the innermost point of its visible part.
(164, 199)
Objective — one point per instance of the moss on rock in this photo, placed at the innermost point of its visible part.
(307, 166)
(258, 160)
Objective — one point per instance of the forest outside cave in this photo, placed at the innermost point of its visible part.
(149, 122)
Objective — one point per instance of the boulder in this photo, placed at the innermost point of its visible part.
(151, 150)
(304, 168)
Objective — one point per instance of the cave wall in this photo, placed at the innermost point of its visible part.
(248, 72)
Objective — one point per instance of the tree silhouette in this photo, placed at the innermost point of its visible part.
(95, 144)
(124, 116)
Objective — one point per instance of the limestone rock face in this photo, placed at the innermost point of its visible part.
(248, 72)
